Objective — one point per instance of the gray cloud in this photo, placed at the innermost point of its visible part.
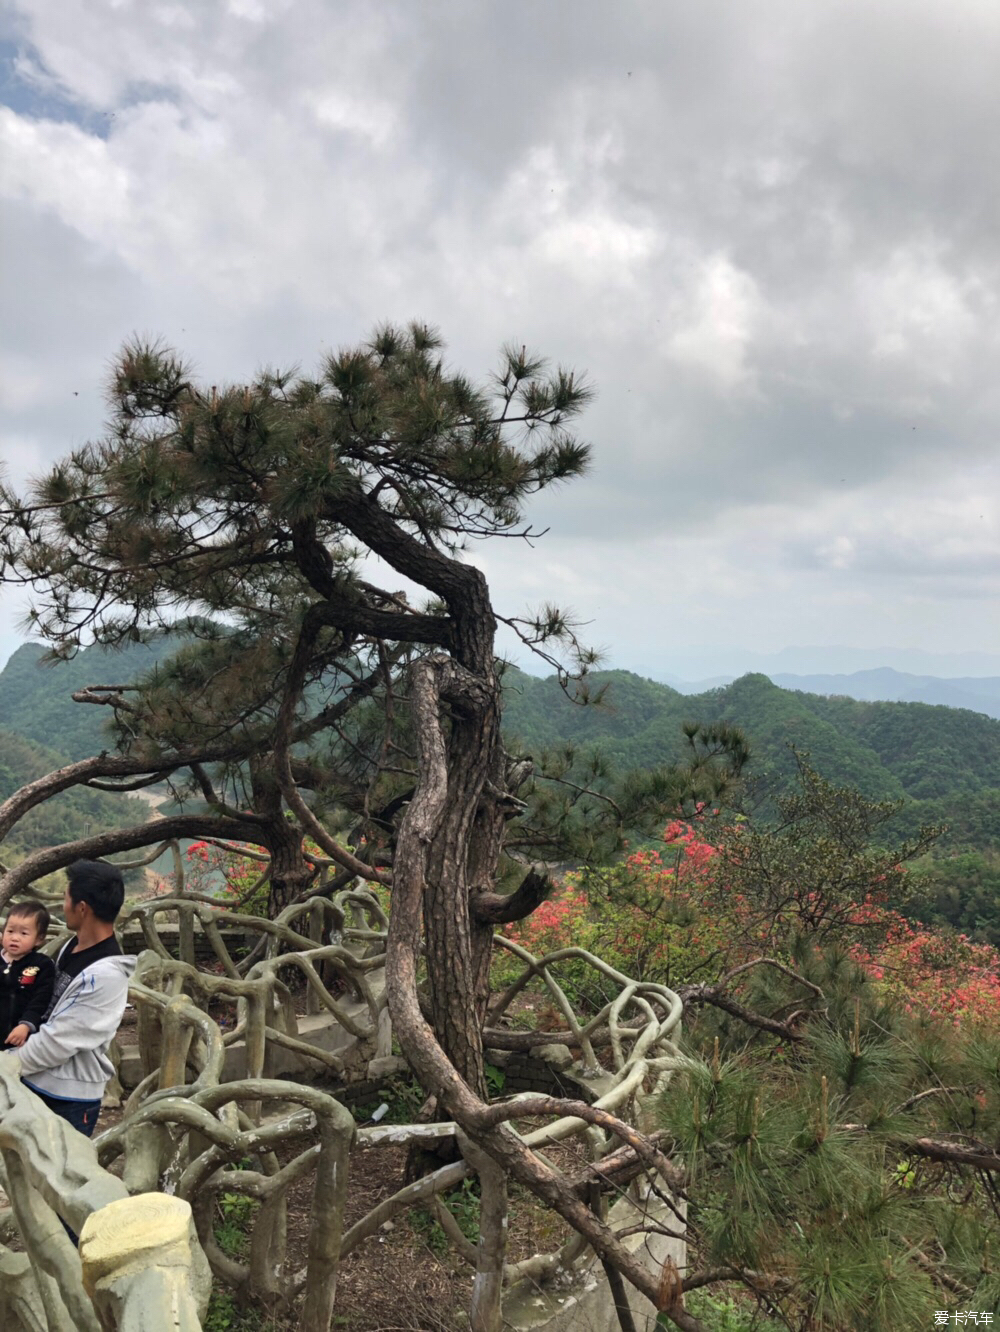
(767, 231)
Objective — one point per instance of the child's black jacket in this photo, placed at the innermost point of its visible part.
(26, 986)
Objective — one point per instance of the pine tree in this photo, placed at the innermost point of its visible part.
(307, 698)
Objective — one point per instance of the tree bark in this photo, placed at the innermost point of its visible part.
(456, 757)
(482, 1123)
(291, 873)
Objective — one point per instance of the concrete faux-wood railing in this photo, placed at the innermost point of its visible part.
(205, 1118)
(138, 1266)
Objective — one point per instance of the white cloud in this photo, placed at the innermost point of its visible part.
(922, 315)
(334, 109)
(837, 552)
(716, 338)
(770, 245)
(58, 166)
(22, 384)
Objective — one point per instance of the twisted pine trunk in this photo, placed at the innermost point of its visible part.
(457, 946)
(290, 872)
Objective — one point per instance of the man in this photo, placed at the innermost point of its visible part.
(66, 1061)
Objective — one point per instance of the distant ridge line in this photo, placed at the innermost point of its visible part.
(875, 685)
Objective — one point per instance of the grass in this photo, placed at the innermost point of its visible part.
(225, 1315)
(234, 1222)
(463, 1203)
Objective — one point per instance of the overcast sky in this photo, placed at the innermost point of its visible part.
(769, 231)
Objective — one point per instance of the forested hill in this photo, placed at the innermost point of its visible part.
(72, 814)
(41, 729)
(36, 699)
(946, 761)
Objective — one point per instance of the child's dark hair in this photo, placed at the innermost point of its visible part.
(98, 884)
(32, 910)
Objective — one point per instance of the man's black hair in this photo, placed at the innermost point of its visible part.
(30, 909)
(98, 884)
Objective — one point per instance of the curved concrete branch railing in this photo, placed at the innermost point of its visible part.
(206, 1116)
(138, 1265)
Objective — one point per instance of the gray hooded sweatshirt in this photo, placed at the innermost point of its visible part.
(68, 1056)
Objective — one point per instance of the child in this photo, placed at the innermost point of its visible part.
(27, 977)
(66, 1062)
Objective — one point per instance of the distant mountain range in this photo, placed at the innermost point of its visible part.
(71, 814)
(978, 693)
(934, 749)
(943, 762)
(731, 661)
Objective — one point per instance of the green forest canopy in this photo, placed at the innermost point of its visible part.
(944, 763)
(71, 814)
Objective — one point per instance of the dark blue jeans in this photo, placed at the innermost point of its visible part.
(81, 1114)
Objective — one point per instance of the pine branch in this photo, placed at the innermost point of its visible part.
(982, 1158)
(714, 995)
(500, 909)
(52, 858)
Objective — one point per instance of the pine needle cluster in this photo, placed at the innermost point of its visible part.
(823, 1178)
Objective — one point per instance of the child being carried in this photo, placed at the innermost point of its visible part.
(27, 977)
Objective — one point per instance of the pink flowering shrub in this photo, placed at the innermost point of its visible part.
(668, 915)
(641, 916)
(222, 873)
(939, 974)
